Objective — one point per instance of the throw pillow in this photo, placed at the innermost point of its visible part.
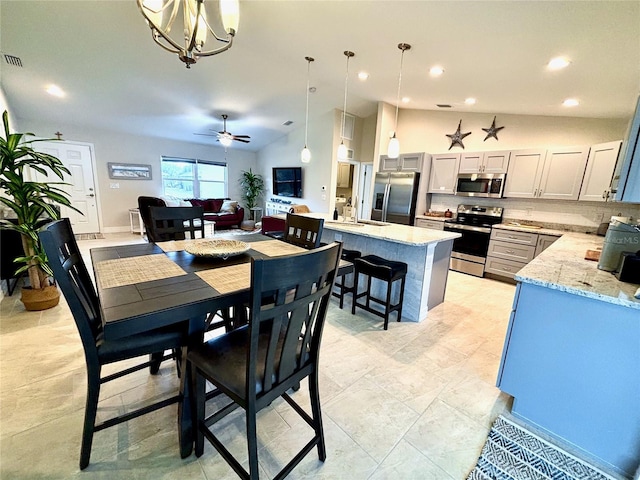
(229, 207)
(214, 205)
(196, 202)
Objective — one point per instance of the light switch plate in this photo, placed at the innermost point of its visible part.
(114, 185)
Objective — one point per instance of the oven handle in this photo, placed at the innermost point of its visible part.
(457, 226)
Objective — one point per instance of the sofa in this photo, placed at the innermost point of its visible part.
(223, 211)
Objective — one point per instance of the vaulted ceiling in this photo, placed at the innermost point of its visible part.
(115, 78)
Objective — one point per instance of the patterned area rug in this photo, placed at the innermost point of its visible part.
(513, 453)
(88, 236)
(234, 231)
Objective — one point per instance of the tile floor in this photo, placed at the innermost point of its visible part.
(414, 402)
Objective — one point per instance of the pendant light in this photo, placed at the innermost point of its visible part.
(393, 150)
(305, 155)
(342, 149)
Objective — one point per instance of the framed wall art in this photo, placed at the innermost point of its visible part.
(129, 171)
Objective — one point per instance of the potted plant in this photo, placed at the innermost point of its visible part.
(31, 202)
(252, 185)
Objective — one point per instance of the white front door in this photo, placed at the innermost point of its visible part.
(81, 188)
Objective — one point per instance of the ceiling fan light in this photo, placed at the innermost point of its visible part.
(305, 155)
(393, 151)
(225, 140)
(342, 151)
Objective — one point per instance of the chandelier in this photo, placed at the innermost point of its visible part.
(189, 39)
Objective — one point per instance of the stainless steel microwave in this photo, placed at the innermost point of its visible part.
(488, 185)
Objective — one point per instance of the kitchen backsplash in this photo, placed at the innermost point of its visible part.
(564, 215)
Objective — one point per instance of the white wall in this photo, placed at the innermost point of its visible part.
(319, 172)
(425, 131)
(4, 105)
(116, 147)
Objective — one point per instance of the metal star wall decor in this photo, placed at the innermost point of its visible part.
(457, 137)
(492, 131)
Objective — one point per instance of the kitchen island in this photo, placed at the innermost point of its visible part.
(571, 357)
(426, 252)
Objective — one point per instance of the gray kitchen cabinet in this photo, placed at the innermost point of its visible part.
(596, 185)
(406, 162)
(552, 174)
(484, 162)
(544, 241)
(444, 171)
(510, 250)
(524, 173)
(432, 224)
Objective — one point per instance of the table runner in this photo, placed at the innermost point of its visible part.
(131, 270)
(276, 248)
(228, 279)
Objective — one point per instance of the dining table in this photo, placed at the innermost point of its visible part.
(143, 287)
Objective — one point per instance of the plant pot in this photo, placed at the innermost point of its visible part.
(41, 299)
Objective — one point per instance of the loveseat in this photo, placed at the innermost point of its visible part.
(223, 211)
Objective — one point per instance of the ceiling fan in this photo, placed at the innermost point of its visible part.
(224, 137)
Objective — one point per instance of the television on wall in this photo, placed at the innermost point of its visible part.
(287, 181)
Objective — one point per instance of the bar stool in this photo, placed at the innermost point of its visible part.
(346, 267)
(385, 270)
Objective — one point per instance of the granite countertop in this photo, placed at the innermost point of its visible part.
(391, 232)
(562, 267)
(529, 229)
(438, 218)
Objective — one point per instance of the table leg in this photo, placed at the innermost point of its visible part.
(185, 420)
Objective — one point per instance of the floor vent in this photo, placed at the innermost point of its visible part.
(13, 60)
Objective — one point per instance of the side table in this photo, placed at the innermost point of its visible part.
(135, 221)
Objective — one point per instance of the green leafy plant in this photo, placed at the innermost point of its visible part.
(252, 185)
(31, 201)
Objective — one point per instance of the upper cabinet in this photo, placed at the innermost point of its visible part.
(600, 167)
(444, 171)
(484, 162)
(524, 173)
(552, 174)
(345, 175)
(406, 162)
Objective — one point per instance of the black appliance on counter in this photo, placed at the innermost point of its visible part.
(474, 222)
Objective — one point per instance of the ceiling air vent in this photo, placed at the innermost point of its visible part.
(13, 60)
(443, 105)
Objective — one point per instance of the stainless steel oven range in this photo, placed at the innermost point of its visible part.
(474, 223)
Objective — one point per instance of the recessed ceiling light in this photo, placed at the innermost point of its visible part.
(571, 102)
(55, 90)
(363, 76)
(470, 101)
(436, 71)
(406, 99)
(558, 63)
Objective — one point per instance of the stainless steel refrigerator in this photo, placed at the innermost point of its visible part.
(394, 197)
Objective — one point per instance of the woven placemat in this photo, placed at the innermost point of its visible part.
(228, 279)
(276, 248)
(127, 271)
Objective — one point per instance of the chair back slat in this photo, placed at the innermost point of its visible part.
(74, 280)
(303, 231)
(289, 301)
(173, 223)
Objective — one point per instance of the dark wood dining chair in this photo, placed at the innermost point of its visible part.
(73, 279)
(303, 231)
(144, 203)
(255, 364)
(173, 223)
